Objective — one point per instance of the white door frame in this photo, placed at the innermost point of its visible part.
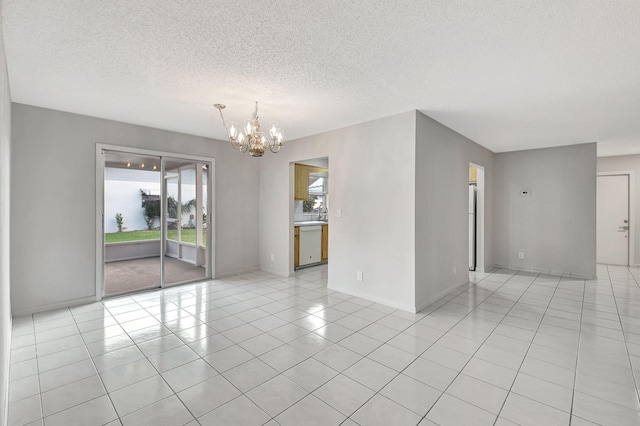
(632, 208)
(210, 271)
(480, 203)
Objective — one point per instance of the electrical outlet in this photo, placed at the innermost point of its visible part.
(359, 276)
(273, 257)
(339, 213)
(520, 255)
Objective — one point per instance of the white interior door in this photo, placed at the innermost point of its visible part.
(612, 223)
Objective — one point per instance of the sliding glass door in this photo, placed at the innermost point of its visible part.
(185, 250)
(132, 189)
(155, 229)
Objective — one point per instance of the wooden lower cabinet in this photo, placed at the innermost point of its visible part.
(325, 243)
(296, 246)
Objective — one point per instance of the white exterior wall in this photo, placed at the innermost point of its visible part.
(122, 195)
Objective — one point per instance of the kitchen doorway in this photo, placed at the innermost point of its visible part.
(153, 220)
(310, 212)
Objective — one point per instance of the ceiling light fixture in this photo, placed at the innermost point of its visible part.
(250, 138)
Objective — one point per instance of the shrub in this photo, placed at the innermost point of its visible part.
(119, 221)
(150, 208)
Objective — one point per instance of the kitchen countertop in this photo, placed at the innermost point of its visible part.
(310, 223)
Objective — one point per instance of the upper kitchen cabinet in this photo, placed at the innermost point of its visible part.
(302, 181)
(301, 186)
(473, 174)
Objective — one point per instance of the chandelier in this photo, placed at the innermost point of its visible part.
(250, 138)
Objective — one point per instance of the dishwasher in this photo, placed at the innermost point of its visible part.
(310, 244)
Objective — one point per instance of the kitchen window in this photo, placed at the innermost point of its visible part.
(317, 204)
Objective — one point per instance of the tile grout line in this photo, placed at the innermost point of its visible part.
(497, 325)
(472, 355)
(291, 298)
(530, 343)
(575, 368)
(308, 332)
(419, 355)
(222, 373)
(524, 357)
(624, 337)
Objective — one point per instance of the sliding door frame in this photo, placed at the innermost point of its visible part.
(99, 219)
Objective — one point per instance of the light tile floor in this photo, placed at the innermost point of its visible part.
(511, 348)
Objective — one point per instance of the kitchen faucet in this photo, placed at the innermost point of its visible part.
(320, 211)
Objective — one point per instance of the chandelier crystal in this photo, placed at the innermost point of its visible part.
(249, 138)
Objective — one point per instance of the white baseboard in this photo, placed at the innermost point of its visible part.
(278, 273)
(120, 259)
(236, 272)
(438, 296)
(547, 272)
(380, 300)
(53, 306)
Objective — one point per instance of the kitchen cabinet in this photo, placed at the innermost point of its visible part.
(301, 180)
(325, 243)
(473, 174)
(296, 246)
(301, 186)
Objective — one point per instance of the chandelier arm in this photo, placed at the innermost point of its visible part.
(274, 146)
(255, 113)
(224, 123)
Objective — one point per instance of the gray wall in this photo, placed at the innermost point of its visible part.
(442, 205)
(372, 179)
(5, 167)
(627, 163)
(53, 201)
(555, 226)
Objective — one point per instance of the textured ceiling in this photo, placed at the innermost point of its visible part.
(508, 74)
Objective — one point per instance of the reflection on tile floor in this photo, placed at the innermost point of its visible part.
(512, 348)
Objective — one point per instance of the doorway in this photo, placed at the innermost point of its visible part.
(612, 219)
(153, 220)
(309, 212)
(476, 217)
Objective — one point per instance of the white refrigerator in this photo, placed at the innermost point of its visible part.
(472, 227)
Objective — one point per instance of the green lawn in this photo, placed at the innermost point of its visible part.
(188, 236)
